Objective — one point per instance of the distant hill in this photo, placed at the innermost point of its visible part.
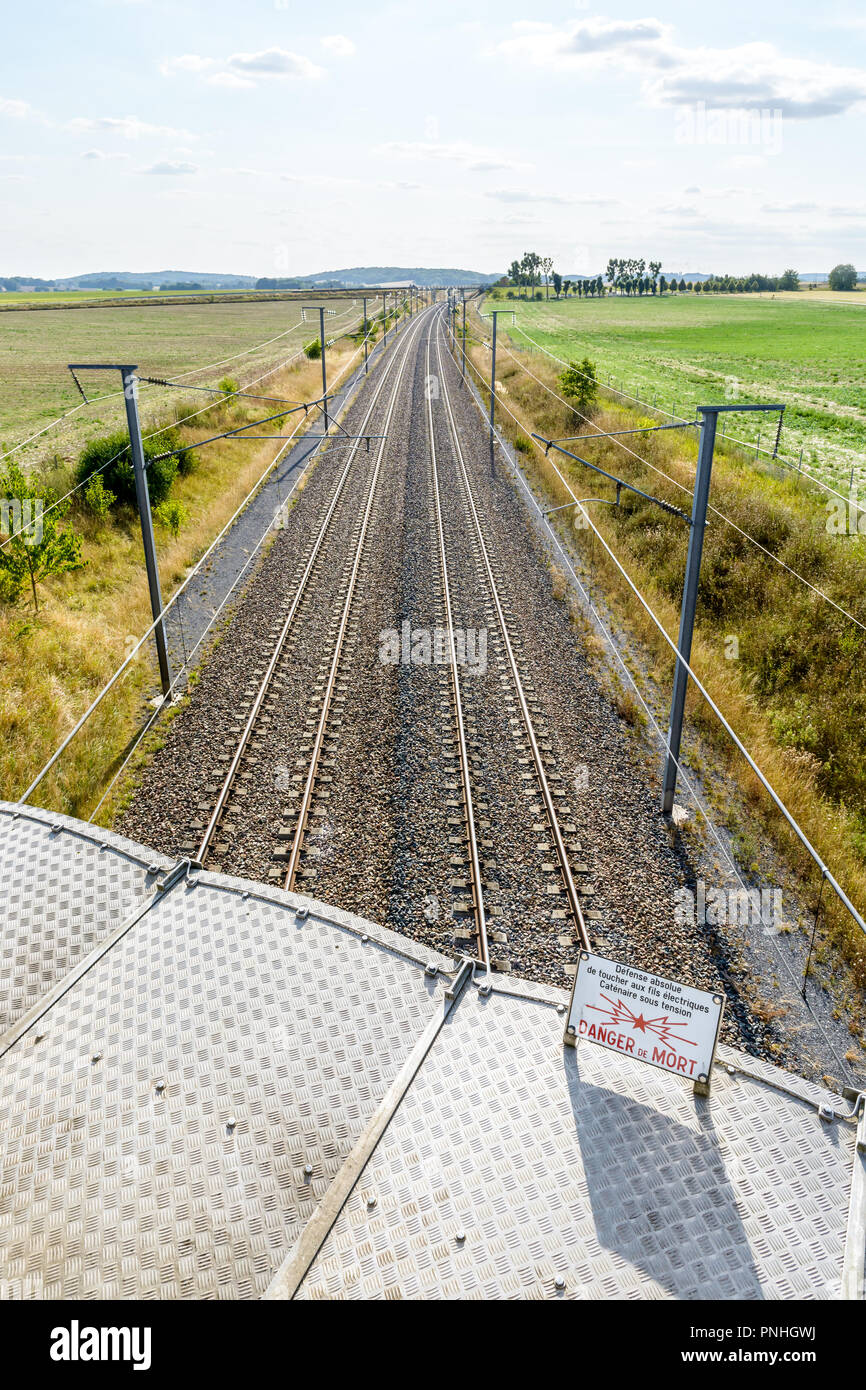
(144, 280)
(356, 277)
(353, 278)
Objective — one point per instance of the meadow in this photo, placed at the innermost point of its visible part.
(781, 619)
(806, 350)
(163, 339)
(53, 662)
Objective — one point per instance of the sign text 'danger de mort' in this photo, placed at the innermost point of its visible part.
(666, 1024)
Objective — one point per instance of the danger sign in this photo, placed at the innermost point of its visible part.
(659, 1021)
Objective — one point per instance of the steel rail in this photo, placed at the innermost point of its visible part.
(255, 710)
(475, 863)
(309, 785)
(547, 797)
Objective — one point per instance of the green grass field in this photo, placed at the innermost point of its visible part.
(163, 340)
(10, 299)
(802, 350)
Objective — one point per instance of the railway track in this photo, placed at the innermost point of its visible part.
(495, 812)
(513, 678)
(340, 525)
(323, 620)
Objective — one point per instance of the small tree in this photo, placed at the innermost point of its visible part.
(313, 349)
(790, 280)
(35, 546)
(172, 515)
(557, 283)
(579, 385)
(97, 497)
(843, 277)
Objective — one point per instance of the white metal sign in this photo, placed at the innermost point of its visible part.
(658, 1021)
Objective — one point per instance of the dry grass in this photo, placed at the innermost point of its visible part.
(770, 607)
(53, 664)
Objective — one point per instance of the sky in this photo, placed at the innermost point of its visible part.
(273, 138)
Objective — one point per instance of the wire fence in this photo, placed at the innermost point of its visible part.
(174, 601)
(601, 623)
(170, 424)
(699, 685)
(752, 447)
(825, 597)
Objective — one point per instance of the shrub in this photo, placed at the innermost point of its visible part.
(172, 515)
(228, 385)
(843, 277)
(111, 454)
(97, 497)
(522, 444)
(313, 350)
(36, 547)
(578, 382)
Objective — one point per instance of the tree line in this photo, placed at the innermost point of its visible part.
(636, 276)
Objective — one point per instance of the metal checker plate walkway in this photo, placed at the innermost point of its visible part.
(62, 894)
(290, 1028)
(579, 1163)
(241, 1092)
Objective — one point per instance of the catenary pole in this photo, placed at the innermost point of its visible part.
(142, 497)
(365, 335)
(709, 421)
(324, 368)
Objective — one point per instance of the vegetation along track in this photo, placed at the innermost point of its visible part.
(401, 718)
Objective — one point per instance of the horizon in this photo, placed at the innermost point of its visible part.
(805, 275)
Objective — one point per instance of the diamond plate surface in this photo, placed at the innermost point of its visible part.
(290, 1029)
(62, 895)
(582, 1164)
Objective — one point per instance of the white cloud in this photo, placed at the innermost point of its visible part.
(130, 127)
(170, 166)
(518, 195)
(101, 154)
(789, 207)
(187, 62)
(474, 157)
(578, 45)
(521, 195)
(274, 62)
(244, 69)
(230, 80)
(856, 210)
(18, 110)
(736, 79)
(339, 45)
